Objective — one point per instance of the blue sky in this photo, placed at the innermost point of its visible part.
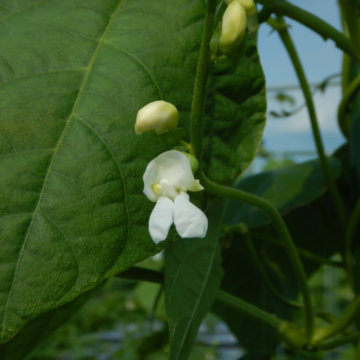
(320, 59)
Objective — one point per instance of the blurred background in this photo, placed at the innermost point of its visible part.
(288, 133)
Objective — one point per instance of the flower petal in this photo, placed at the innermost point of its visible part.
(174, 167)
(189, 220)
(161, 219)
(160, 116)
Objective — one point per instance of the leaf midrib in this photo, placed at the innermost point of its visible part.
(56, 149)
(199, 298)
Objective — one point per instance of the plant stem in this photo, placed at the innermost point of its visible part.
(348, 96)
(349, 235)
(339, 325)
(339, 342)
(305, 253)
(290, 47)
(264, 274)
(136, 273)
(198, 101)
(286, 331)
(354, 221)
(230, 193)
(351, 14)
(306, 18)
(248, 309)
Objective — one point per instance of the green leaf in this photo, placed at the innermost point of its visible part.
(235, 113)
(73, 75)
(242, 279)
(192, 277)
(39, 329)
(313, 230)
(285, 188)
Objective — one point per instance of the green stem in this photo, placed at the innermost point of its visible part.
(339, 325)
(289, 45)
(351, 14)
(286, 331)
(264, 274)
(230, 193)
(248, 309)
(348, 95)
(354, 221)
(308, 255)
(349, 236)
(306, 18)
(199, 96)
(339, 342)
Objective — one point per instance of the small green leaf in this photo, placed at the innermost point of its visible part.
(192, 277)
(285, 188)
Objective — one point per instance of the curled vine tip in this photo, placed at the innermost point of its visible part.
(167, 178)
(160, 116)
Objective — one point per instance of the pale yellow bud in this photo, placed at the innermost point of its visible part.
(160, 116)
(249, 6)
(233, 27)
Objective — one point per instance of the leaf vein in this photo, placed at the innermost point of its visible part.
(199, 297)
(108, 148)
(25, 152)
(66, 238)
(28, 76)
(17, 12)
(57, 147)
(141, 64)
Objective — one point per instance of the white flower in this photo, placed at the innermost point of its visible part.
(167, 178)
(160, 116)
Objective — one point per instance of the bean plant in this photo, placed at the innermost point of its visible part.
(125, 130)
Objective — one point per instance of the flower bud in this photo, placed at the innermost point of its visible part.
(233, 27)
(160, 116)
(249, 6)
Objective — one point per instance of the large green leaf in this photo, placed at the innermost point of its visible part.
(285, 188)
(192, 278)
(72, 76)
